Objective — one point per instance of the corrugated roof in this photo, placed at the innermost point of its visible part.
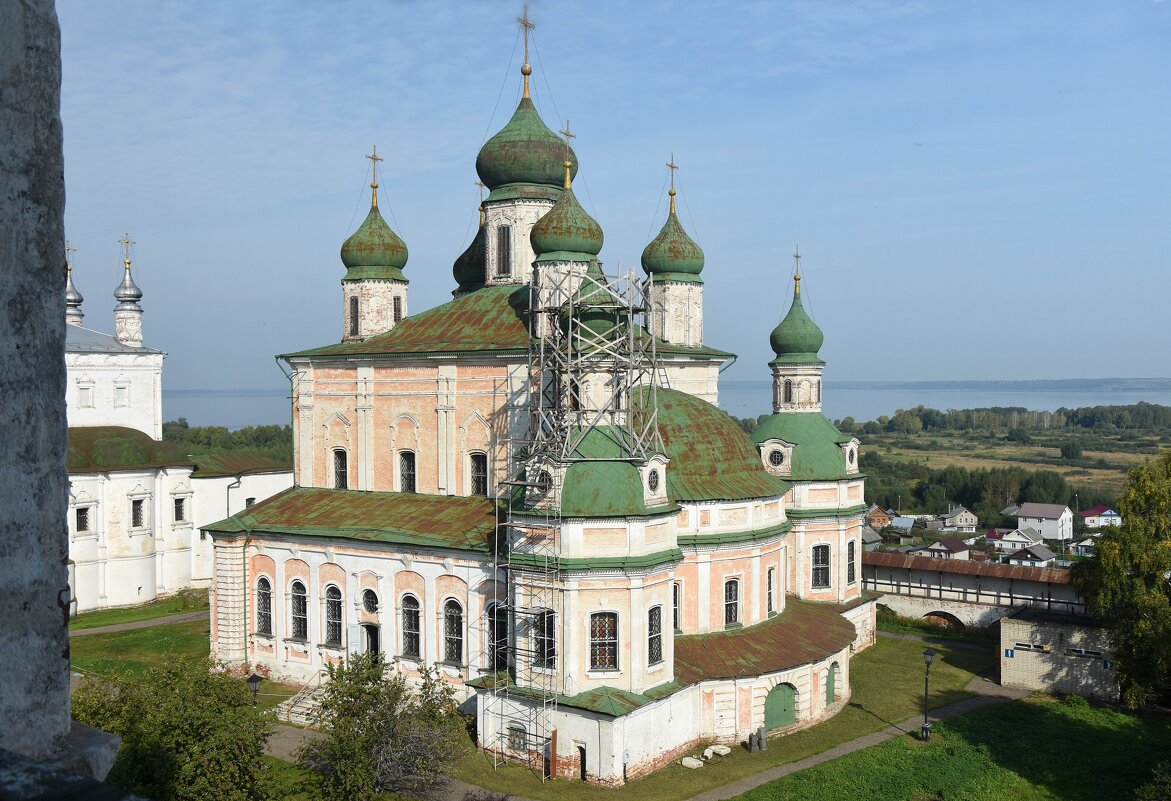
(711, 457)
(440, 521)
(805, 632)
(1051, 575)
(85, 340)
(490, 319)
(215, 465)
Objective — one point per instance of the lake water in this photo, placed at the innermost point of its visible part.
(860, 400)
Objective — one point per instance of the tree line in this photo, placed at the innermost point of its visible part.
(273, 441)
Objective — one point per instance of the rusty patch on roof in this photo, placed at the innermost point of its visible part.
(212, 465)
(1051, 575)
(805, 632)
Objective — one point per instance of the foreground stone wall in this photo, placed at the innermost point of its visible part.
(34, 702)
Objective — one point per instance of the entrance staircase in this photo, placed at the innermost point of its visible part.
(301, 709)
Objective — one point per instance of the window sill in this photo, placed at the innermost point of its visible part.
(603, 673)
(733, 626)
(657, 666)
(259, 635)
(331, 646)
(773, 613)
(545, 671)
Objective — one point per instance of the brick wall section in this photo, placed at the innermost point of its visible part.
(1045, 653)
(228, 602)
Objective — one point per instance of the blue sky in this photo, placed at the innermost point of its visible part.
(979, 190)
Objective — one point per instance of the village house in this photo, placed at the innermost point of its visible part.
(946, 548)
(958, 518)
(1053, 520)
(1100, 517)
(1033, 556)
(877, 517)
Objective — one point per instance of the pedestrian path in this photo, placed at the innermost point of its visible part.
(183, 617)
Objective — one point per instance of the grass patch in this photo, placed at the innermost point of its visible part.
(1035, 750)
(136, 650)
(192, 600)
(889, 621)
(887, 681)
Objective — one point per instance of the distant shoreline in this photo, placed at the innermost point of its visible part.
(1027, 385)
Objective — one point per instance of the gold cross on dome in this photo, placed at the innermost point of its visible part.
(374, 159)
(126, 242)
(672, 166)
(526, 25)
(797, 262)
(568, 136)
(482, 186)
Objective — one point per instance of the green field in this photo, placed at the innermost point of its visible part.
(887, 681)
(180, 602)
(1036, 750)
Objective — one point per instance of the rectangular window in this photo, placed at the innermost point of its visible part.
(137, 513)
(412, 641)
(263, 607)
(604, 641)
(504, 251)
(820, 566)
(851, 559)
(453, 633)
(300, 610)
(341, 478)
(248, 502)
(81, 516)
(406, 471)
(121, 396)
(546, 643)
(180, 510)
(731, 602)
(398, 309)
(480, 474)
(353, 316)
(654, 635)
(676, 593)
(85, 397)
(772, 576)
(518, 738)
(333, 616)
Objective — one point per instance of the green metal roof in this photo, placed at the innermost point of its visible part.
(216, 465)
(438, 521)
(805, 632)
(711, 457)
(374, 251)
(470, 266)
(673, 255)
(603, 700)
(566, 232)
(489, 320)
(99, 449)
(524, 156)
(817, 453)
(797, 339)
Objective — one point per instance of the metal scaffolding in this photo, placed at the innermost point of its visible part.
(591, 365)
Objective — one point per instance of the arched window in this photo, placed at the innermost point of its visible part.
(604, 641)
(333, 616)
(820, 566)
(545, 640)
(497, 637)
(479, 463)
(817, 392)
(406, 471)
(731, 601)
(263, 606)
(453, 632)
(654, 635)
(411, 632)
(370, 601)
(354, 316)
(504, 250)
(851, 559)
(300, 611)
(772, 577)
(341, 473)
(676, 597)
(398, 308)
(788, 397)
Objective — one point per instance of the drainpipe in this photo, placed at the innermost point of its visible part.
(729, 363)
(244, 565)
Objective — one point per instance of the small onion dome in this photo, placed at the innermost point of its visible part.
(524, 152)
(469, 267)
(797, 339)
(127, 293)
(73, 298)
(566, 232)
(673, 255)
(374, 251)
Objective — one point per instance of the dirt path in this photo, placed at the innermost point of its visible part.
(183, 617)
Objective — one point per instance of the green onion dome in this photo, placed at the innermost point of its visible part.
(566, 232)
(469, 267)
(524, 153)
(673, 255)
(374, 251)
(797, 339)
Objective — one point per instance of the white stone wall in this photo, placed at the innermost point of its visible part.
(677, 312)
(116, 389)
(693, 376)
(520, 216)
(804, 381)
(220, 497)
(375, 306)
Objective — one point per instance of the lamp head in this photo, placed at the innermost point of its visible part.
(928, 656)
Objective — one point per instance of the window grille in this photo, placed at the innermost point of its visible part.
(504, 251)
(604, 641)
(850, 560)
(411, 637)
(82, 517)
(731, 601)
(300, 616)
(263, 606)
(353, 316)
(654, 635)
(137, 513)
(546, 630)
(341, 477)
(333, 616)
(180, 510)
(453, 633)
(398, 309)
(480, 474)
(821, 566)
(406, 471)
(370, 601)
(498, 637)
(676, 593)
(772, 577)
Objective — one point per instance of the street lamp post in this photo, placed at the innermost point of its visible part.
(254, 685)
(928, 655)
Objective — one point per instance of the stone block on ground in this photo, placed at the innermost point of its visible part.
(692, 762)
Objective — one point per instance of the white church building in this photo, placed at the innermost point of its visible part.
(136, 502)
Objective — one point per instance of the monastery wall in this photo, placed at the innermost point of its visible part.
(116, 389)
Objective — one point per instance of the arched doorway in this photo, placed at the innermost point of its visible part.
(780, 707)
(945, 619)
(831, 683)
(372, 639)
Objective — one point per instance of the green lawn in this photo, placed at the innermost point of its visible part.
(887, 682)
(1036, 750)
(185, 601)
(139, 649)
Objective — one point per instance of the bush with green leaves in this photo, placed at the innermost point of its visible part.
(381, 733)
(188, 733)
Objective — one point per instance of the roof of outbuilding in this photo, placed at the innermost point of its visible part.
(1051, 575)
(217, 465)
(1097, 510)
(817, 453)
(85, 340)
(404, 518)
(489, 320)
(100, 449)
(711, 457)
